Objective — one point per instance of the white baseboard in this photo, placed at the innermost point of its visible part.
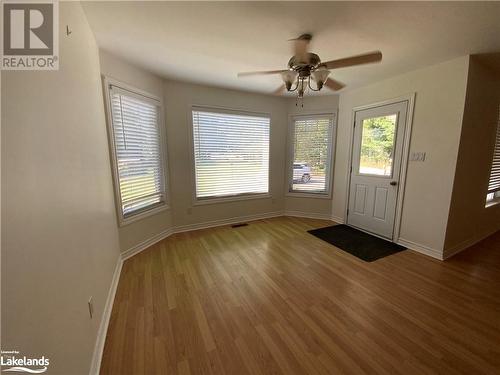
(232, 220)
(434, 253)
(337, 219)
(95, 366)
(189, 227)
(309, 215)
(147, 243)
(448, 253)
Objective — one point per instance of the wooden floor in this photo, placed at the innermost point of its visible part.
(270, 298)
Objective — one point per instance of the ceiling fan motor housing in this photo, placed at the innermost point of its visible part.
(311, 62)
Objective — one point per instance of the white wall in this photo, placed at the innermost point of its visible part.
(321, 207)
(59, 240)
(469, 219)
(139, 231)
(440, 97)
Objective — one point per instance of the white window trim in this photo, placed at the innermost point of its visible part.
(496, 193)
(331, 157)
(141, 214)
(230, 198)
(494, 201)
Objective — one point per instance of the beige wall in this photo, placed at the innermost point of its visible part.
(437, 120)
(179, 99)
(440, 98)
(60, 239)
(469, 219)
(139, 231)
(321, 207)
(59, 242)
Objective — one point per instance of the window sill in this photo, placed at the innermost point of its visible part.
(233, 198)
(295, 194)
(142, 215)
(492, 203)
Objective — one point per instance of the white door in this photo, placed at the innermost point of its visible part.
(376, 163)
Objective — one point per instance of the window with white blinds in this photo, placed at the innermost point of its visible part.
(311, 148)
(231, 153)
(494, 182)
(137, 152)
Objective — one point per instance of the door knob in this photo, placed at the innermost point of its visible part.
(394, 183)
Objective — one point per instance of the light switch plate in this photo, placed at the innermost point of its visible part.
(417, 156)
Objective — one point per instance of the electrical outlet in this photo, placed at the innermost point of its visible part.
(91, 307)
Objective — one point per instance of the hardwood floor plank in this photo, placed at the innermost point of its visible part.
(183, 368)
(269, 298)
(287, 364)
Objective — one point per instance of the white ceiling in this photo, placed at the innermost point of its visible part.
(210, 42)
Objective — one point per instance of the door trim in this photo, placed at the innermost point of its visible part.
(410, 98)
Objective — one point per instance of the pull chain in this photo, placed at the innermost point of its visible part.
(301, 99)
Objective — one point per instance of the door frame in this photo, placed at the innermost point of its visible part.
(410, 98)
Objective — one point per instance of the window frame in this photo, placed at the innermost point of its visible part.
(124, 220)
(290, 156)
(230, 198)
(357, 170)
(496, 193)
(493, 201)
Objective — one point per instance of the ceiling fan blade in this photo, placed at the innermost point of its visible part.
(264, 72)
(280, 90)
(333, 84)
(366, 58)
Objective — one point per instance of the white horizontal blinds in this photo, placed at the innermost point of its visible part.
(311, 154)
(137, 150)
(231, 153)
(494, 183)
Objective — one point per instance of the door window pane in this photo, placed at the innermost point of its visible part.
(377, 145)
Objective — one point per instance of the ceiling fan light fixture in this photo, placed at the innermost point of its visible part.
(320, 75)
(289, 78)
(305, 66)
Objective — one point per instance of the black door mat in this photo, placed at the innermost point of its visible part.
(358, 243)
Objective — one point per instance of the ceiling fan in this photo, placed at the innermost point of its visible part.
(304, 65)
